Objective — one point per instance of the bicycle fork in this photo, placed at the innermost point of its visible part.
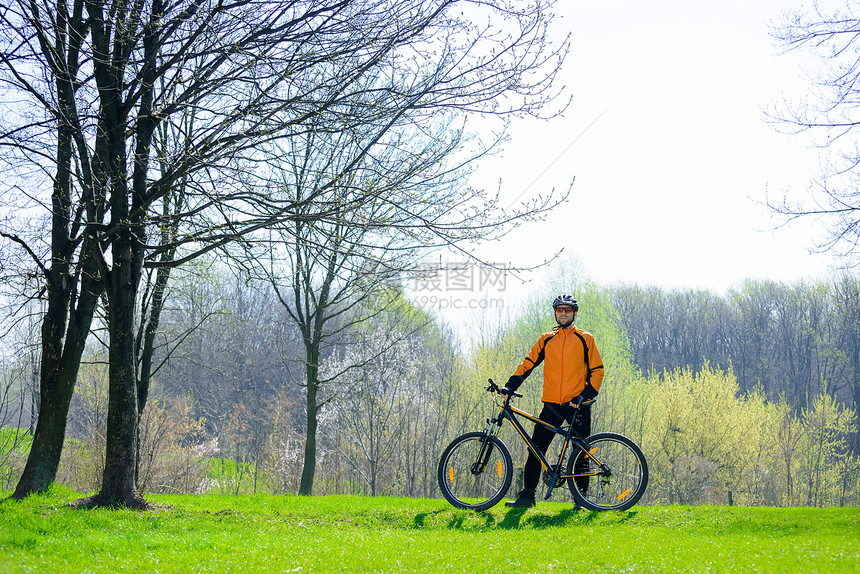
(486, 450)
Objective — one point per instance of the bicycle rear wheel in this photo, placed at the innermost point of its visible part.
(612, 476)
(475, 471)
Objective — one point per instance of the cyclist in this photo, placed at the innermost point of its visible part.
(573, 369)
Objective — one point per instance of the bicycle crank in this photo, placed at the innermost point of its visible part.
(548, 476)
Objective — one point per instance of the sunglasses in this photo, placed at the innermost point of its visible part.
(563, 310)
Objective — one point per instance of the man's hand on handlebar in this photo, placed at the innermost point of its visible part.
(504, 391)
(579, 401)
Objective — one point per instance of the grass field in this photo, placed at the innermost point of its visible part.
(353, 534)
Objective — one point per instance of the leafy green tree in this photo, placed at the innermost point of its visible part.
(702, 435)
(846, 292)
(786, 434)
(827, 456)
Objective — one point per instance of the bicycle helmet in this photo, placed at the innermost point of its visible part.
(565, 301)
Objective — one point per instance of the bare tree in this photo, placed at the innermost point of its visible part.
(38, 145)
(335, 274)
(94, 80)
(831, 114)
(404, 197)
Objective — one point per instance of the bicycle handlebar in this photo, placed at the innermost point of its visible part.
(494, 388)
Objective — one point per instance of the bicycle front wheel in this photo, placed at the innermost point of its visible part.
(611, 476)
(475, 471)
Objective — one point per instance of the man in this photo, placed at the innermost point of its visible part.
(573, 369)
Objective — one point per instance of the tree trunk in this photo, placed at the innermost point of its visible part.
(44, 459)
(62, 348)
(118, 482)
(309, 468)
(119, 487)
(120, 454)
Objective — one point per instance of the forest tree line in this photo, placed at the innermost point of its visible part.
(745, 397)
(795, 341)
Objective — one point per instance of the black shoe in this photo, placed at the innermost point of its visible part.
(521, 502)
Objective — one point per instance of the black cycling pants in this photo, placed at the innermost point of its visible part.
(555, 415)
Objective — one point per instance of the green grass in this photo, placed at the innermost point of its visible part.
(214, 533)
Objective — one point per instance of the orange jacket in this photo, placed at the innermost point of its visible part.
(573, 365)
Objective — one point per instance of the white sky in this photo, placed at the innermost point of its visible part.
(668, 177)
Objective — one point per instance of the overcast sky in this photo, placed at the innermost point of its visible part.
(669, 146)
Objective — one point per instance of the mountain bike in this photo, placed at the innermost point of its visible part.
(606, 471)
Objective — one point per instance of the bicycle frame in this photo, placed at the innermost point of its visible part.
(511, 413)
(605, 470)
